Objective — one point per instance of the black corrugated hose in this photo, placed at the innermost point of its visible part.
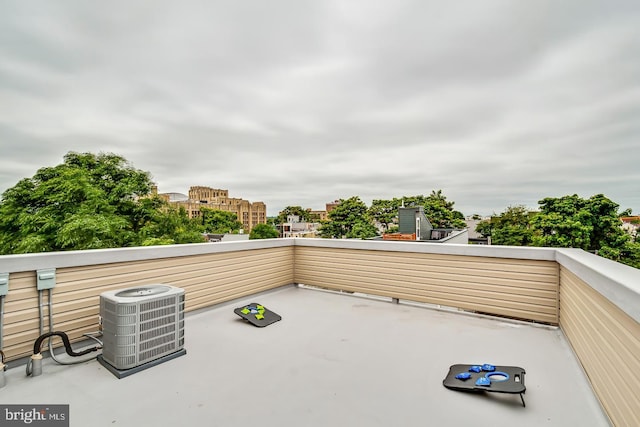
(65, 340)
(67, 345)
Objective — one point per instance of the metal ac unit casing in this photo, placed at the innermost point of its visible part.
(141, 324)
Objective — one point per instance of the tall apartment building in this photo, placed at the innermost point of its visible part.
(249, 214)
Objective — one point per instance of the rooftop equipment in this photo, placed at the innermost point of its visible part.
(141, 327)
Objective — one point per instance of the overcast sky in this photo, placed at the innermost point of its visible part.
(496, 103)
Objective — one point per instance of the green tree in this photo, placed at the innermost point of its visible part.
(304, 214)
(89, 201)
(385, 212)
(437, 209)
(349, 219)
(169, 225)
(263, 231)
(219, 222)
(441, 213)
(512, 227)
(591, 224)
(630, 255)
(362, 229)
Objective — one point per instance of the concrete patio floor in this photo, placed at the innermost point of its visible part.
(333, 360)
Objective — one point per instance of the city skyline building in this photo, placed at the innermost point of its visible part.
(248, 213)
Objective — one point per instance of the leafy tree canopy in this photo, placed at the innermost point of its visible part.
(168, 226)
(512, 227)
(304, 214)
(349, 219)
(385, 212)
(219, 222)
(441, 213)
(89, 201)
(437, 209)
(570, 221)
(263, 231)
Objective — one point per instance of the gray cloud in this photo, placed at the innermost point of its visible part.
(300, 102)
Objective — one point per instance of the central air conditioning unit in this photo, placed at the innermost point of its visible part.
(141, 325)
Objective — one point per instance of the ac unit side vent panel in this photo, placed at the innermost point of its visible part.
(141, 324)
(153, 354)
(157, 342)
(165, 302)
(148, 315)
(170, 329)
(156, 323)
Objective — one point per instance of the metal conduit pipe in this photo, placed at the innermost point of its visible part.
(1, 321)
(3, 367)
(40, 312)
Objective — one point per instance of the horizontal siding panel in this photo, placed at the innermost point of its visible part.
(461, 293)
(22, 280)
(227, 276)
(396, 264)
(21, 294)
(157, 271)
(437, 287)
(22, 340)
(89, 312)
(75, 305)
(196, 303)
(391, 272)
(15, 332)
(526, 289)
(607, 342)
(20, 306)
(19, 316)
(522, 310)
(73, 327)
(21, 328)
(546, 295)
(514, 265)
(115, 269)
(622, 332)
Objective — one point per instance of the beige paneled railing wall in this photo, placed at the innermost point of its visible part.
(605, 338)
(526, 289)
(595, 301)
